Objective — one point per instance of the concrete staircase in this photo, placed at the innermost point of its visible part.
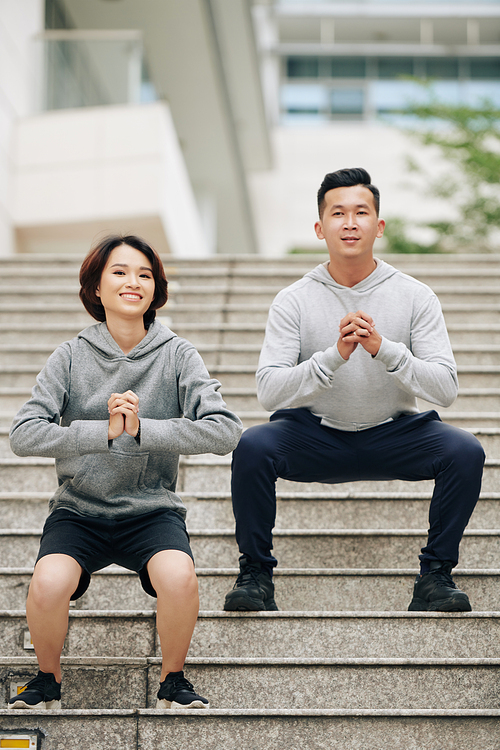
(343, 664)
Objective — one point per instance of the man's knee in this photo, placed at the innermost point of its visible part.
(255, 447)
(465, 451)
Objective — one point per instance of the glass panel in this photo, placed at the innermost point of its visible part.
(302, 67)
(84, 72)
(304, 99)
(485, 68)
(348, 67)
(441, 67)
(346, 101)
(393, 67)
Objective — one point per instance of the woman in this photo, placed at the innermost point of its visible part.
(115, 407)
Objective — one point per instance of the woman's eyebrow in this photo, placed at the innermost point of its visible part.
(125, 265)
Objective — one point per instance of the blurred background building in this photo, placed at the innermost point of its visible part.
(207, 125)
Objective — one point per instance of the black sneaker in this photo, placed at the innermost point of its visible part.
(436, 591)
(42, 692)
(177, 692)
(253, 590)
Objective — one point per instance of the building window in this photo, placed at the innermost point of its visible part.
(302, 67)
(394, 67)
(348, 67)
(346, 101)
(441, 67)
(485, 68)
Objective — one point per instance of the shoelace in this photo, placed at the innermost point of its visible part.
(247, 575)
(181, 683)
(444, 579)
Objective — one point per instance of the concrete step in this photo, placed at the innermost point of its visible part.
(275, 635)
(213, 355)
(38, 333)
(331, 508)
(11, 399)
(475, 378)
(299, 548)
(43, 294)
(444, 261)
(468, 399)
(95, 682)
(297, 589)
(72, 314)
(244, 398)
(251, 333)
(294, 729)
(476, 422)
(470, 358)
(234, 292)
(211, 474)
(257, 313)
(203, 474)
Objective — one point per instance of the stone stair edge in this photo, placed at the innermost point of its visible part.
(336, 532)
(250, 369)
(216, 614)
(222, 661)
(215, 307)
(283, 572)
(239, 348)
(231, 288)
(293, 712)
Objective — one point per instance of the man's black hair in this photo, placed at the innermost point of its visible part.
(347, 178)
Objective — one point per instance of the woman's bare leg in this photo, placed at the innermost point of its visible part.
(55, 579)
(174, 579)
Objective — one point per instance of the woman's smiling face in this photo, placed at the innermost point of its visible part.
(127, 285)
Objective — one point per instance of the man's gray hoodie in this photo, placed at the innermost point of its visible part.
(180, 410)
(300, 365)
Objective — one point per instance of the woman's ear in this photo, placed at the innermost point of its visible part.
(97, 292)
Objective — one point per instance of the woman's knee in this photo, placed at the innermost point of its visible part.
(54, 580)
(173, 571)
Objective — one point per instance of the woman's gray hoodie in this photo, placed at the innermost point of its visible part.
(180, 410)
(300, 365)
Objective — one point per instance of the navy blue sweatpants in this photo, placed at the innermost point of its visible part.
(295, 445)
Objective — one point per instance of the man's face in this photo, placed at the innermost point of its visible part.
(349, 223)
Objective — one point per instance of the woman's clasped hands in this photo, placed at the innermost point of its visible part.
(123, 414)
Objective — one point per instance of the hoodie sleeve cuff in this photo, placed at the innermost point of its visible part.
(92, 436)
(391, 353)
(331, 359)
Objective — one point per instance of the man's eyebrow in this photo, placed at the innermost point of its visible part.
(358, 205)
(125, 265)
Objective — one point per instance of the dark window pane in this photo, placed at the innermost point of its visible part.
(442, 67)
(393, 67)
(348, 67)
(486, 67)
(302, 67)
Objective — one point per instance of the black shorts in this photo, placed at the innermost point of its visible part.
(96, 542)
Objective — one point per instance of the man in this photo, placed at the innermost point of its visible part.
(347, 350)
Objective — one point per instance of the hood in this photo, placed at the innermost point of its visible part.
(102, 341)
(382, 272)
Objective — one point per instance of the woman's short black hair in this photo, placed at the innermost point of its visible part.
(93, 266)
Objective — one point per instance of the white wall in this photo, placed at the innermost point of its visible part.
(103, 169)
(284, 199)
(19, 20)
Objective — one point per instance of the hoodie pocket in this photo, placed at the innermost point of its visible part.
(115, 474)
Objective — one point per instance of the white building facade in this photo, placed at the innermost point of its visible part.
(342, 69)
(129, 117)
